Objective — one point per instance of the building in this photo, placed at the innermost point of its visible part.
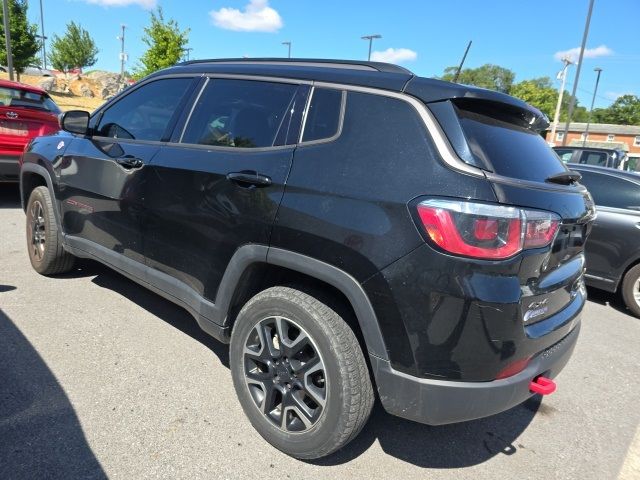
(602, 135)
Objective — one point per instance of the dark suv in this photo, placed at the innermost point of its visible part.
(344, 225)
(602, 157)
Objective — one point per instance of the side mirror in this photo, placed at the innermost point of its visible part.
(75, 121)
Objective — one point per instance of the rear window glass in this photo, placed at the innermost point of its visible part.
(507, 148)
(594, 158)
(323, 118)
(14, 97)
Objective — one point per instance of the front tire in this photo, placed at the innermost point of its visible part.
(299, 373)
(631, 290)
(44, 244)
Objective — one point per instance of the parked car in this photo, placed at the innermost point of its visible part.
(613, 249)
(33, 70)
(603, 157)
(25, 112)
(341, 224)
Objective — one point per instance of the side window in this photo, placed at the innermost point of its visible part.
(145, 113)
(565, 155)
(323, 117)
(240, 113)
(594, 158)
(609, 191)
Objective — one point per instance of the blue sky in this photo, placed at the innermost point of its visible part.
(423, 35)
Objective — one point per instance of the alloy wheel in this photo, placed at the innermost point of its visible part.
(37, 230)
(285, 374)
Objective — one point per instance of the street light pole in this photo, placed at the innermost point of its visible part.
(556, 117)
(188, 52)
(7, 38)
(598, 70)
(572, 101)
(288, 44)
(43, 38)
(122, 54)
(370, 38)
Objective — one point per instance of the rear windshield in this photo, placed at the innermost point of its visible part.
(500, 142)
(14, 97)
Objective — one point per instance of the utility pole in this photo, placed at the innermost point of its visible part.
(123, 56)
(7, 38)
(464, 57)
(187, 51)
(43, 38)
(572, 102)
(562, 75)
(288, 44)
(370, 38)
(598, 70)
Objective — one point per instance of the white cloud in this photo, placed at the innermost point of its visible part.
(574, 53)
(615, 95)
(394, 55)
(146, 4)
(257, 16)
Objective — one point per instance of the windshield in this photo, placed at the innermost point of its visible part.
(14, 97)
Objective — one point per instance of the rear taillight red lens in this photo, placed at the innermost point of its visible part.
(486, 231)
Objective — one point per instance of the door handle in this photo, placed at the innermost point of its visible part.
(249, 178)
(129, 161)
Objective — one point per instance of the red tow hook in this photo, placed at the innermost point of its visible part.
(542, 385)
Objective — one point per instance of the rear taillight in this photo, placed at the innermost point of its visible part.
(480, 230)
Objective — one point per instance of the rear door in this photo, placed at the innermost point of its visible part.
(101, 177)
(521, 168)
(218, 184)
(615, 239)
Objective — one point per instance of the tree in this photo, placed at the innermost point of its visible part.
(76, 49)
(24, 43)
(538, 92)
(624, 111)
(488, 76)
(166, 44)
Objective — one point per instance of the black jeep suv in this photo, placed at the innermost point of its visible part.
(348, 227)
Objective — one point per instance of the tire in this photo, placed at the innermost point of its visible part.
(336, 388)
(629, 289)
(44, 244)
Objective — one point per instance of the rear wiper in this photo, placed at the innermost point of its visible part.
(564, 178)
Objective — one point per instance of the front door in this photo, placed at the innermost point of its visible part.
(101, 176)
(219, 185)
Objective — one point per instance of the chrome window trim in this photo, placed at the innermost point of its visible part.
(303, 124)
(442, 144)
(260, 78)
(193, 107)
(343, 104)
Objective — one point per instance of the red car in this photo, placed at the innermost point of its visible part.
(25, 112)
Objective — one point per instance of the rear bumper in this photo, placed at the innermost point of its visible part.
(438, 402)
(9, 168)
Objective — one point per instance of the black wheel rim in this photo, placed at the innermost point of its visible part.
(37, 230)
(285, 374)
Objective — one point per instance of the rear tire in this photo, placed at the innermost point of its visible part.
(631, 290)
(44, 244)
(291, 353)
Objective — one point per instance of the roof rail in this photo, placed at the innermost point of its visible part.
(305, 62)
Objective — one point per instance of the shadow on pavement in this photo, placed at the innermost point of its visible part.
(174, 315)
(9, 195)
(40, 435)
(613, 300)
(450, 446)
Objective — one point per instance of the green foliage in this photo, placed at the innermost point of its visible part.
(624, 111)
(488, 76)
(166, 44)
(76, 49)
(24, 44)
(538, 92)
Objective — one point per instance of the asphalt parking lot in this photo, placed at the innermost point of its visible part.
(100, 378)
